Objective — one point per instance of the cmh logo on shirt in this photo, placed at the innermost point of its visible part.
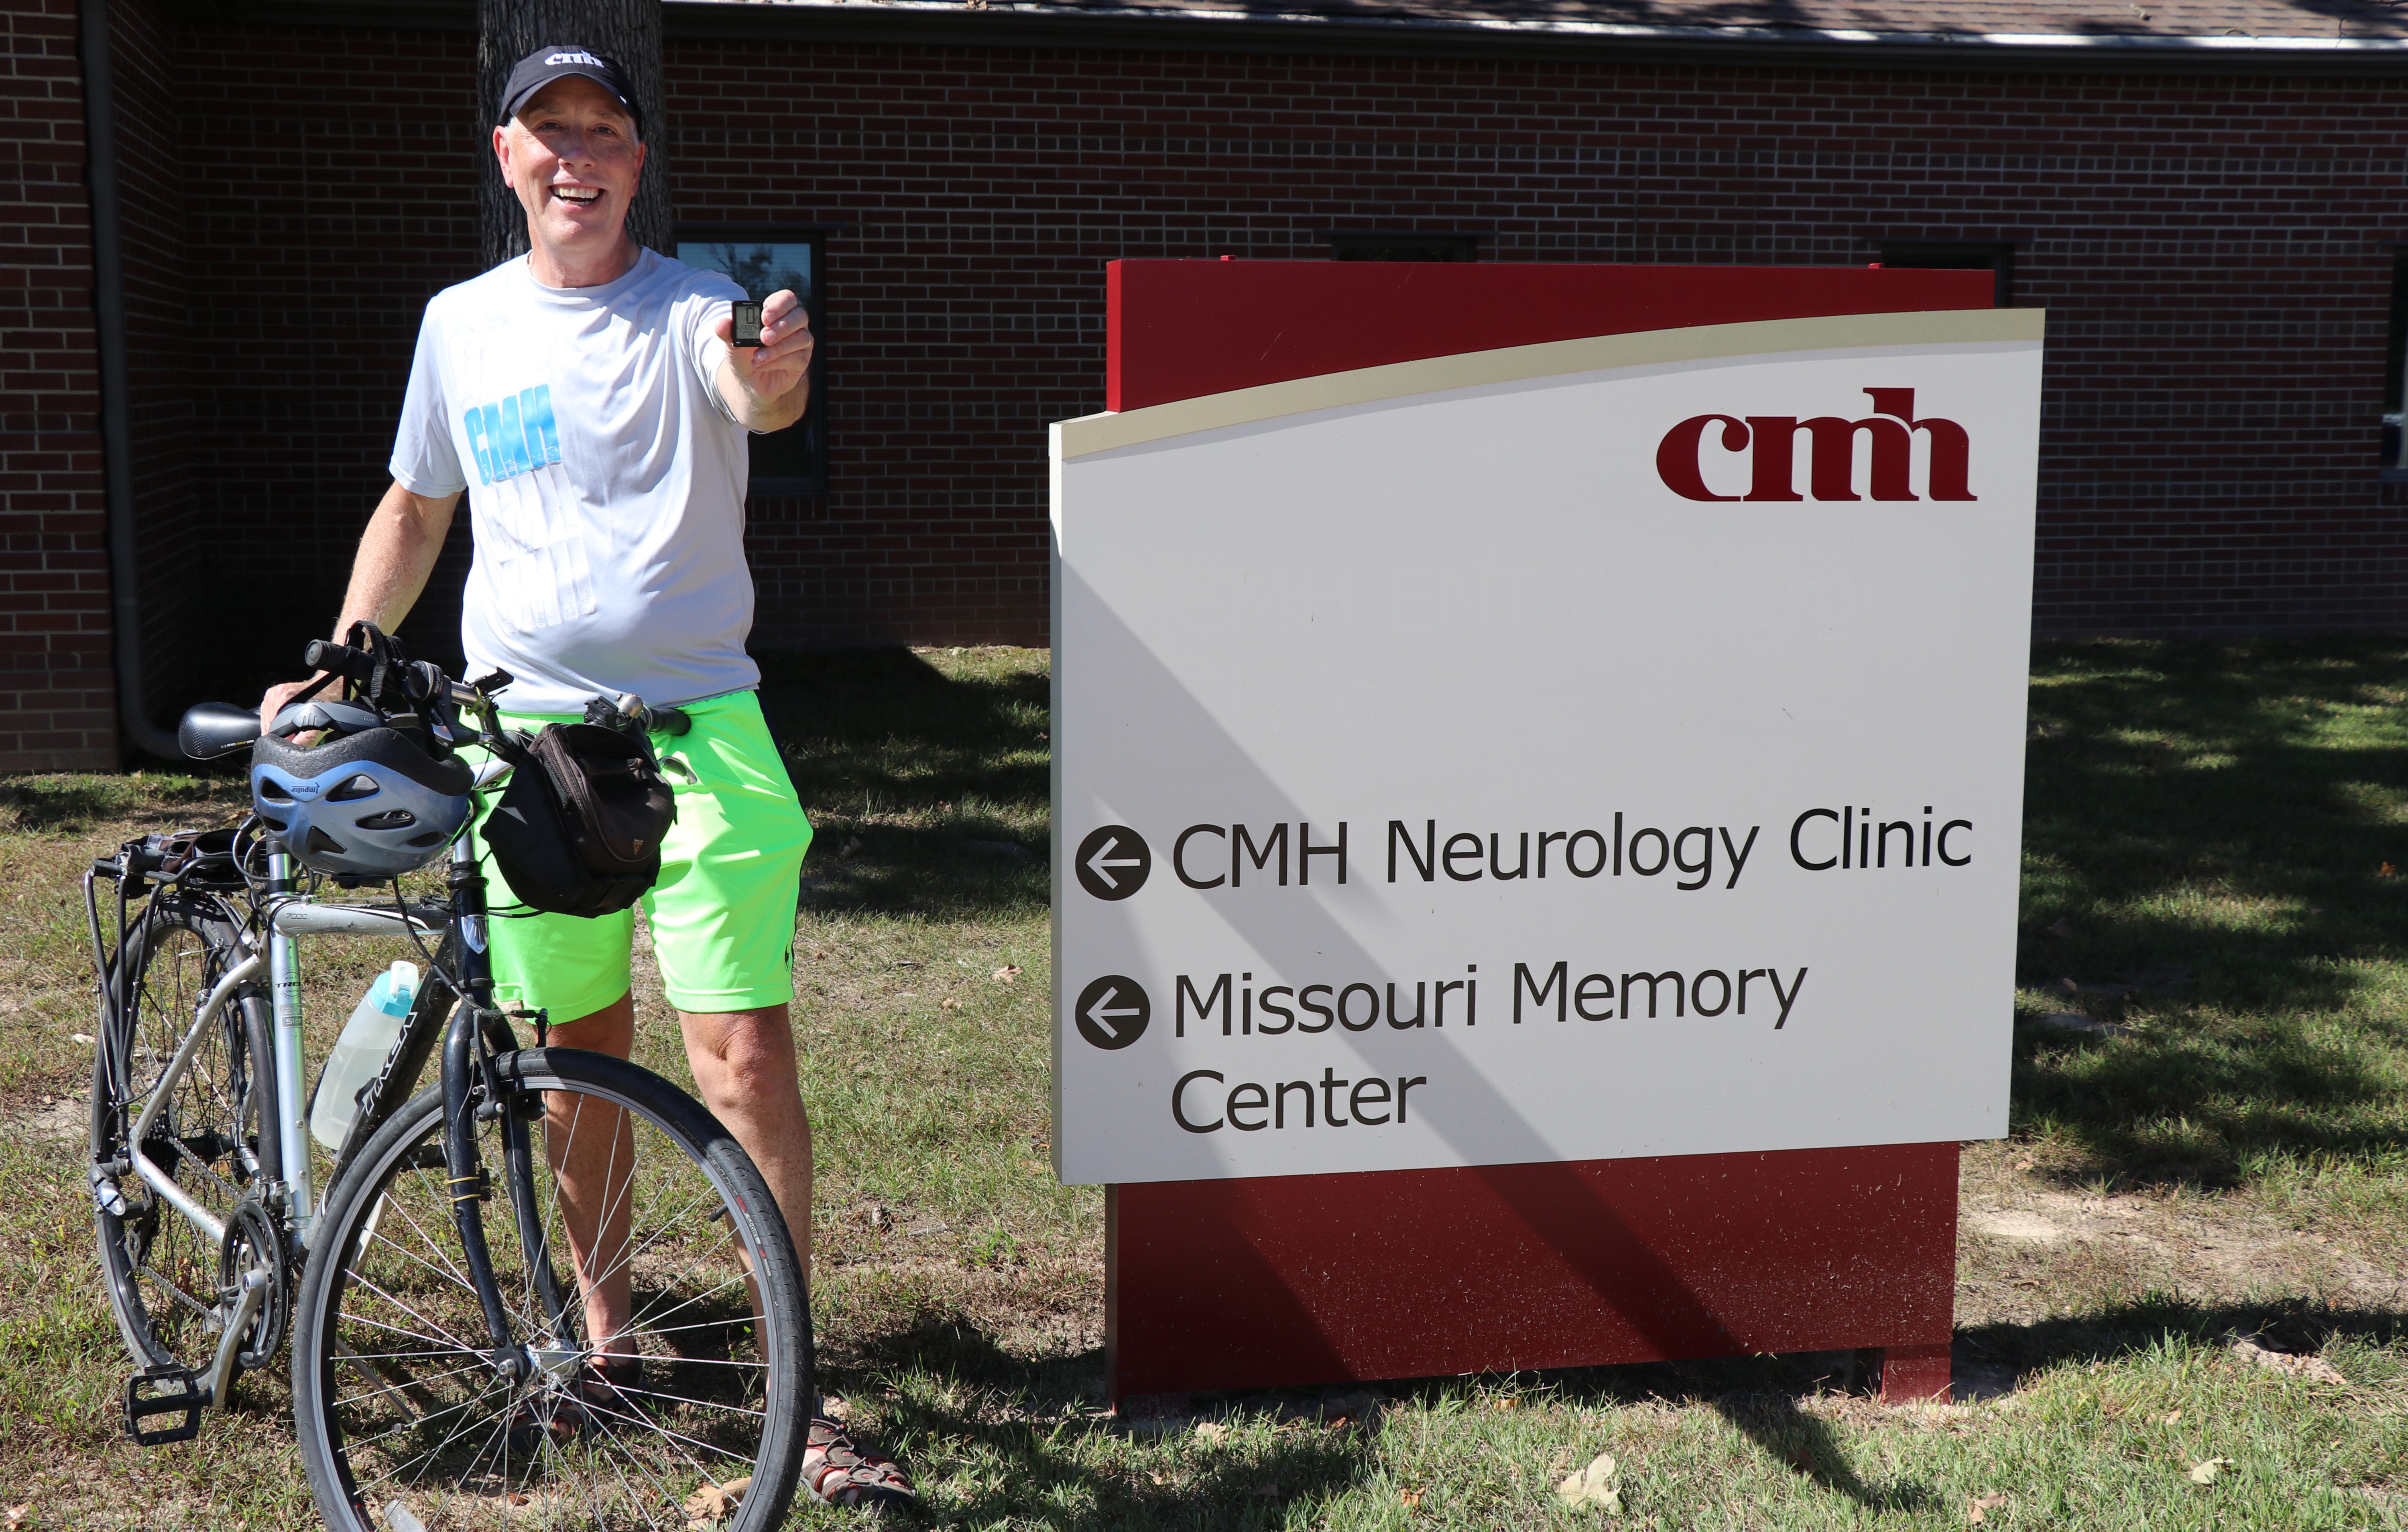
(513, 435)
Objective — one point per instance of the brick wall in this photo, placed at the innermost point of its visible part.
(160, 363)
(2214, 251)
(57, 695)
(320, 209)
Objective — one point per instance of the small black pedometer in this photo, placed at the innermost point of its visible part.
(748, 323)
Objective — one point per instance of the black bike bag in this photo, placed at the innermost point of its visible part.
(578, 829)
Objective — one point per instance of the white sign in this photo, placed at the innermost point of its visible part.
(1598, 748)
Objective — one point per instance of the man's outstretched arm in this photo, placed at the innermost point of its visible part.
(396, 553)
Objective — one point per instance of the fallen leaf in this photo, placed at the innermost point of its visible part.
(2204, 1473)
(17, 1513)
(1593, 1486)
(2176, 1416)
(948, 1003)
(1411, 1497)
(2026, 1165)
(712, 1503)
(1979, 1510)
(1006, 974)
(2384, 871)
(85, 1039)
(1341, 1422)
(1507, 1402)
(1211, 1431)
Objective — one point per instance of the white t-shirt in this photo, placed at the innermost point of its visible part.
(606, 482)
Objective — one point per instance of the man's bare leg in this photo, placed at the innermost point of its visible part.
(743, 1062)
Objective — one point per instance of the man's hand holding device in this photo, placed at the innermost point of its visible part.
(770, 356)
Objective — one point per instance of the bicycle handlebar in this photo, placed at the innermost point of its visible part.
(348, 662)
(359, 666)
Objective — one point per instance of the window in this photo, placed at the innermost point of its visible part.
(1401, 245)
(1993, 255)
(762, 260)
(2395, 370)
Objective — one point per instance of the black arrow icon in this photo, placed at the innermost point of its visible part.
(1111, 1012)
(1113, 862)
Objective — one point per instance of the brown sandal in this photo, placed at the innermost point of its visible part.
(836, 1472)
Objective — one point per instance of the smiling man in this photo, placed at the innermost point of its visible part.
(589, 399)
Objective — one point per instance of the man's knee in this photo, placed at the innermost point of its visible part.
(753, 1052)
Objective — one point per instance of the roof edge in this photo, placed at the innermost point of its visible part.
(1119, 28)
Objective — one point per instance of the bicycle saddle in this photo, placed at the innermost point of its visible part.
(211, 729)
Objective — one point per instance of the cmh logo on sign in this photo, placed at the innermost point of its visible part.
(1771, 442)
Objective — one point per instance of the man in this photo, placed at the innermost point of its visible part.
(592, 390)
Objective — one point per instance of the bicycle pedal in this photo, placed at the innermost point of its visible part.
(178, 1393)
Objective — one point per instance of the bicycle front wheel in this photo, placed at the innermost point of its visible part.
(643, 1266)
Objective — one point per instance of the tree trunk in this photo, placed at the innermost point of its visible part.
(628, 31)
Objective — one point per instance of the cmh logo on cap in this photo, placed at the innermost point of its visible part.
(574, 58)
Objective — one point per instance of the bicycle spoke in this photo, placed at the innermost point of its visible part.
(688, 1399)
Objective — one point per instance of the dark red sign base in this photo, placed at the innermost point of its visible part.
(1418, 1273)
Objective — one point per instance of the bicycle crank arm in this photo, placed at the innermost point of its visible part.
(175, 1391)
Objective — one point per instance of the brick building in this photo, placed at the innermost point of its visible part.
(2205, 195)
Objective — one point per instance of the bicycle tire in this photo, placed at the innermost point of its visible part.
(208, 1139)
(396, 1399)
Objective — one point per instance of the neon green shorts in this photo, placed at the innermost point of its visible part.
(722, 914)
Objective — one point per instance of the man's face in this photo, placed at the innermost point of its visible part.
(573, 159)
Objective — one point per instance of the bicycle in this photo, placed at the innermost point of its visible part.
(440, 1378)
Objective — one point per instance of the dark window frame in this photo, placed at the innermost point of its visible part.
(1449, 246)
(1995, 256)
(813, 425)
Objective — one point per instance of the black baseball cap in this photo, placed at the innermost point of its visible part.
(557, 60)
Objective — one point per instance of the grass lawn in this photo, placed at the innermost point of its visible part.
(2178, 1303)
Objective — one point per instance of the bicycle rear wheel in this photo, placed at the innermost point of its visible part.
(163, 1274)
(404, 1420)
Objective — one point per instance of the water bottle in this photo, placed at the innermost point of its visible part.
(360, 1053)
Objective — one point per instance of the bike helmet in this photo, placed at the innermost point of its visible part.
(366, 800)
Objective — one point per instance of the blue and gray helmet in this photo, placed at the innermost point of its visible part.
(366, 799)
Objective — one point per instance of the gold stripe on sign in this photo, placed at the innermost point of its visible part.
(1093, 434)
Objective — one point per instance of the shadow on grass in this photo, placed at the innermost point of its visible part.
(2207, 829)
(930, 791)
(2014, 1351)
(70, 805)
(1031, 1416)
(1031, 1465)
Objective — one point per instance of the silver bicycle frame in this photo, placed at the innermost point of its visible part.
(156, 1178)
(292, 1127)
(287, 920)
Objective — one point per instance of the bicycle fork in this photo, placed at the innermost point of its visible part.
(474, 1044)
